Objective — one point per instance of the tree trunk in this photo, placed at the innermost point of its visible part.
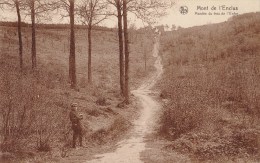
(121, 46)
(145, 58)
(33, 35)
(72, 59)
(89, 54)
(17, 5)
(126, 52)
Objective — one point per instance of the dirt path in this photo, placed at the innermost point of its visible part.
(129, 150)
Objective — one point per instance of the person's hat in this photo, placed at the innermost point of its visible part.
(74, 105)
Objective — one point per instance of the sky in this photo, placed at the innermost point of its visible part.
(191, 19)
(198, 13)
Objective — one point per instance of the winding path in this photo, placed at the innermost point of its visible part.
(128, 150)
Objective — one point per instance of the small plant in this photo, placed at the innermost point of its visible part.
(44, 147)
(101, 101)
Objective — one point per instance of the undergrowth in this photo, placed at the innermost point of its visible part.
(211, 81)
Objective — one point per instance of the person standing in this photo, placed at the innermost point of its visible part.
(75, 119)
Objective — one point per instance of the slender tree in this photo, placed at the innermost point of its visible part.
(92, 12)
(119, 14)
(37, 10)
(72, 57)
(2, 4)
(121, 46)
(68, 6)
(19, 28)
(148, 11)
(126, 42)
(16, 4)
(32, 8)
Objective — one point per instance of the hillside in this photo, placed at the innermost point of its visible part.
(37, 102)
(208, 109)
(211, 91)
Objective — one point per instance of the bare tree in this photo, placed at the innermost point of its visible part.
(72, 57)
(126, 41)
(19, 28)
(143, 46)
(32, 8)
(148, 11)
(37, 10)
(16, 4)
(121, 45)
(69, 7)
(2, 4)
(119, 14)
(92, 12)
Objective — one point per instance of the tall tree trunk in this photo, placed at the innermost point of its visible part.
(121, 46)
(17, 6)
(89, 54)
(90, 43)
(126, 52)
(72, 59)
(33, 35)
(145, 57)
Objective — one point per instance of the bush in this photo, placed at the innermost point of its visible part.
(164, 94)
(102, 101)
(180, 119)
(31, 114)
(44, 147)
(247, 139)
(11, 145)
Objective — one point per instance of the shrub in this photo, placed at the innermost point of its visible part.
(31, 115)
(101, 101)
(180, 119)
(44, 147)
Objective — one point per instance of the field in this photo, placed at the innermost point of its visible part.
(38, 101)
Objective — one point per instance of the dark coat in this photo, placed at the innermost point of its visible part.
(75, 120)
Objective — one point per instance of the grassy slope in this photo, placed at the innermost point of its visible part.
(45, 94)
(211, 80)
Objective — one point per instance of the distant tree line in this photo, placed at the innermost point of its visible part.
(54, 26)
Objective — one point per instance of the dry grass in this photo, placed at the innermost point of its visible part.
(211, 79)
(40, 100)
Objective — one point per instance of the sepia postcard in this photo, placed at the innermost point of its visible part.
(129, 81)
